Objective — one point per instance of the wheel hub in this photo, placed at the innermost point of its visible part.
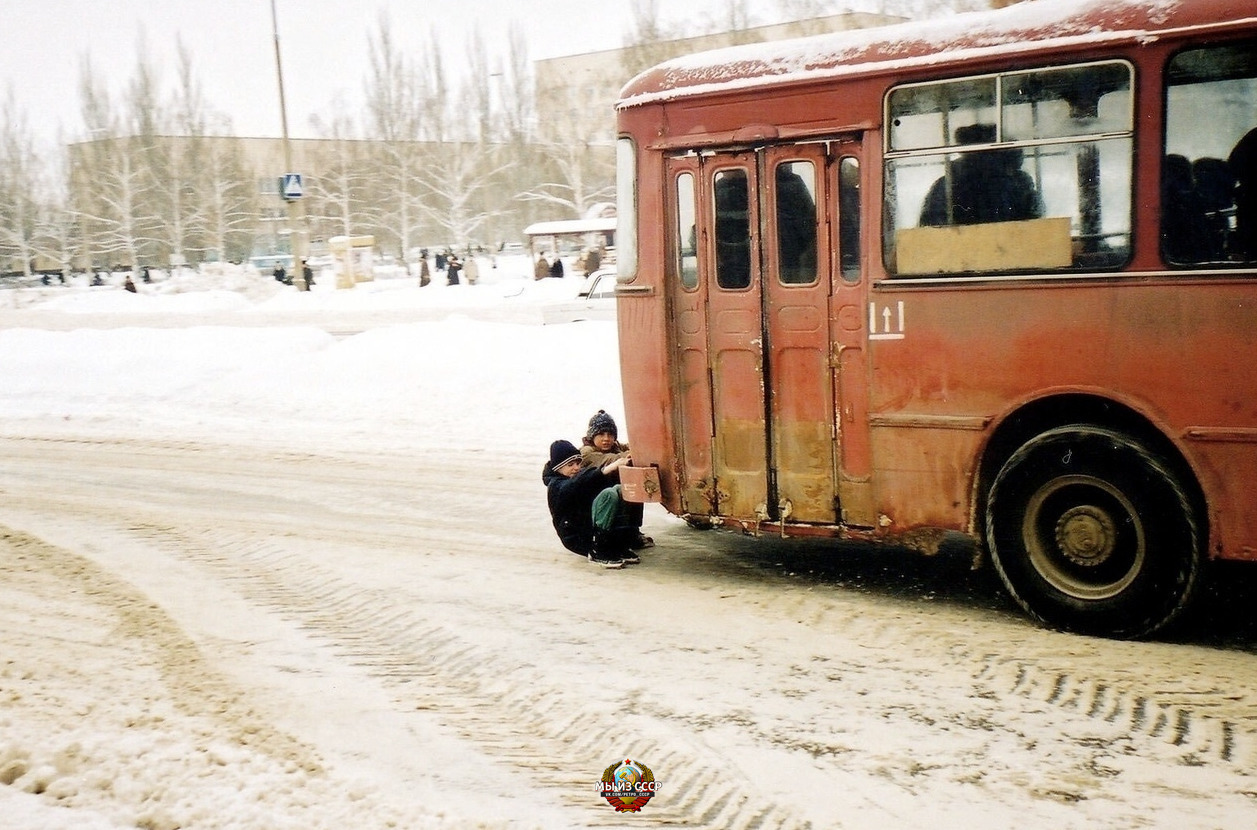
(1086, 535)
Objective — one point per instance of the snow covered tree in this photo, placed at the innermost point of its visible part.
(337, 197)
(515, 84)
(648, 40)
(58, 236)
(20, 180)
(580, 174)
(395, 121)
(110, 178)
(226, 201)
(456, 184)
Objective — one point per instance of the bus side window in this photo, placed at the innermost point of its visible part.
(1050, 149)
(1209, 168)
(849, 218)
(733, 229)
(685, 241)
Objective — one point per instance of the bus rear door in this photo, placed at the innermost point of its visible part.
(750, 302)
(796, 280)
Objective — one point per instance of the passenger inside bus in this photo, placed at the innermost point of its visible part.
(733, 230)
(1243, 163)
(1209, 206)
(1183, 234)
(985, 186)
(796, 226)
(1215, 198)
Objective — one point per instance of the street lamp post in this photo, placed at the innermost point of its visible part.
(298, 240)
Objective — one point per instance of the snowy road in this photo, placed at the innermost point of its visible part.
(396, 636)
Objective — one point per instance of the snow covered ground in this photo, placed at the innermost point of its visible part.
(228, 349)
(227, 354)
(203, 479)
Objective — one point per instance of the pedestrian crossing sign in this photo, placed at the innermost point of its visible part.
(290, 186)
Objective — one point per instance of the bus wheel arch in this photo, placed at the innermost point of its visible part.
(1094, 532)
(1043, 414)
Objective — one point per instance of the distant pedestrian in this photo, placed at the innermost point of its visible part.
(425, 276)
(453, 265)
(593, 260)
(129, 285)
(308, 273)
(542, 269)
(471, 271)
(556, 270)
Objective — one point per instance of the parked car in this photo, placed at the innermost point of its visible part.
(265, 263)
(595, 301)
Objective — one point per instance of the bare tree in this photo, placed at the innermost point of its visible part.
(226, 201)
(395, 114)
(478, 90)
(805, 9)
(338, 197)
(156, 203)
(455, 185)
(514, 131)
(648, 40)
(109, 176)
(516, 88)
(737, 16)
(20, 174)
(581, 176)
(434, 91)
(58, 236)
(183, 163)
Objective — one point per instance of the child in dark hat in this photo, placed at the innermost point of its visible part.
(600, 446)
(586, 507)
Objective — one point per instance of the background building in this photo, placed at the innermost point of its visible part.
(576, 94)
(160, 199)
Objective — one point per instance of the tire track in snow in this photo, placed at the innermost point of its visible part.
(1120, 684)
(494, 700)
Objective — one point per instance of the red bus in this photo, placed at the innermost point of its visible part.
(994, 274)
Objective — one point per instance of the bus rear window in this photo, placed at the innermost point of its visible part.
(685, 240)
(733, 229)
(1042, 157)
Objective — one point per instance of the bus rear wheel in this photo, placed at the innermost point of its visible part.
(1092, 533)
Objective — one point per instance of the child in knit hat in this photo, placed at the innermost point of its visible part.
(601, 446)
(586, 507)
(602, 441)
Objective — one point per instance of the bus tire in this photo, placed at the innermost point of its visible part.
(1092, 533)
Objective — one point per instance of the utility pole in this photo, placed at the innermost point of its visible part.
(298, 233)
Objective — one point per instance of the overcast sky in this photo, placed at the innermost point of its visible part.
(324, 46)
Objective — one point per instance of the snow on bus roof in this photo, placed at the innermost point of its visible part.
(902, 46)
